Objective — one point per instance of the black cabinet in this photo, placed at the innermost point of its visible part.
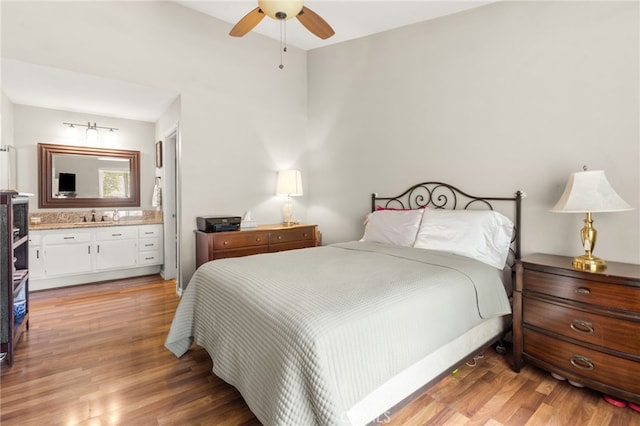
(14, 271)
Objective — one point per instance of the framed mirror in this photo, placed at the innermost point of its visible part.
(77, 176)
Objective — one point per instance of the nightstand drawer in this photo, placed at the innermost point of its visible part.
(611, 333)
(294, 234)
(580, 290)
(240, 239)
(620, 373)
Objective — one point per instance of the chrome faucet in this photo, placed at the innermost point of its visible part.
(93, 215)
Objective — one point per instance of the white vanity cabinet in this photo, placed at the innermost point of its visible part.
(67, 252)
(63, 257)
(116, 247)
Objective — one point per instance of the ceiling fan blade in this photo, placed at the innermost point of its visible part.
(314, 23)
(247, 23)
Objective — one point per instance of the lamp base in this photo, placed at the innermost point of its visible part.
(589, 263)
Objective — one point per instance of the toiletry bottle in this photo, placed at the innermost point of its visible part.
(116, 215)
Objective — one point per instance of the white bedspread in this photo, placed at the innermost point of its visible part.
(305, 334)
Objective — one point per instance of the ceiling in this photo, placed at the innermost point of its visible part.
(46, 87)
(349, 19)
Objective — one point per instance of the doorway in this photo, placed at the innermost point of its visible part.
(171, 207)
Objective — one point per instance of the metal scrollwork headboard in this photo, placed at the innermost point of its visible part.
(439, 195)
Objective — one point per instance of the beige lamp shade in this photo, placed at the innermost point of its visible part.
(589, 191)
(289, 182)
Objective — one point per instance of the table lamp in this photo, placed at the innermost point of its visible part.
(589, 192)
(289, 183)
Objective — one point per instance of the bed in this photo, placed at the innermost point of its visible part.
(343, 333)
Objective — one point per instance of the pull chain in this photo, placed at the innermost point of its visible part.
(283, 41)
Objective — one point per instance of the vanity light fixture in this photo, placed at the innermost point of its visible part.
(92, 132)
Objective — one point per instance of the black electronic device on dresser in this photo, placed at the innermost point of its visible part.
(14, 271)
(583, 326)
(218, 223)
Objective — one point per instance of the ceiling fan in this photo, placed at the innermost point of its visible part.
(283, 10)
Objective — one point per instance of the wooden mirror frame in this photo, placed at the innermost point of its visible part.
(46, 200)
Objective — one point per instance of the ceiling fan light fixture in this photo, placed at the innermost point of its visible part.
(281, 9)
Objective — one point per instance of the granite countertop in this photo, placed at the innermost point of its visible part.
(76, 219)
(80, 225)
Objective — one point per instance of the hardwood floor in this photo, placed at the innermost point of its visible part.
(94, 355)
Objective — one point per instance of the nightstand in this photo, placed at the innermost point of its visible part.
(580, 325)
(263, 239)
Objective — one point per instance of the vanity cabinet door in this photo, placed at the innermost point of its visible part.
(116, 248)
(116, 254)
(67, 257)
(36, 256)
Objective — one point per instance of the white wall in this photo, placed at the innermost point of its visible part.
(7, 167)
(510, 96)
(6, 135)
(241, 117)
(33, 125)
(514, 95)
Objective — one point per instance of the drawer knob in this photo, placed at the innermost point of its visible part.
(582, 327)
(226, 243)
(279, 237)
(582, 362)
(258, 239)
(583, 290)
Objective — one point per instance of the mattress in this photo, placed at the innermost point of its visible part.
(307, 335)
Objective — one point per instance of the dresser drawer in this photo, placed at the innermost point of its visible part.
(239, 239)
(617, 372)
(293, 234)
(293, 245)
(586, 291)
(263, 239)
(239, 252)
(612, 333)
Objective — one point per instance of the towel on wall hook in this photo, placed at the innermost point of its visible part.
(156, 200)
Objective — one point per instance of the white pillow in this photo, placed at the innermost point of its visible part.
(484, 235)
(397, 227)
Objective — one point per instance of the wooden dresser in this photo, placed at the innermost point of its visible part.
(580, 325)
(263, 239)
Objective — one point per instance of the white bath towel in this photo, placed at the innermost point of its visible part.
(156, 200)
